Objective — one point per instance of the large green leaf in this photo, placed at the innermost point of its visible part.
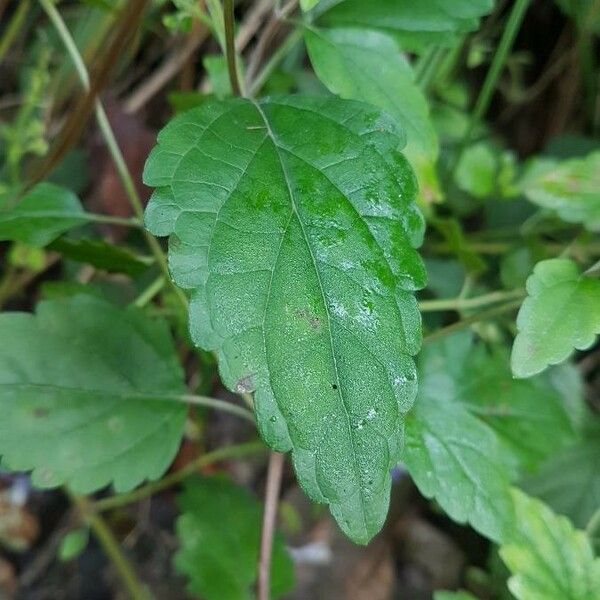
(569, 482)
(219, 533)
(569, 187)
(293, 220)
(561, 312)
(451, 455)
(42, 215)
(360, 64)
(549, 559)
(83, 389)
(416, 24)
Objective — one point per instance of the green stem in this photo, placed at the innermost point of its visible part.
(466, 303)
(236, 451)
(154, 288)
(485, 315)
(111, 142)
(493, 75)
(13, 27)
(111, 547)
(124, 221)
(292, 39)
(228, 19)
(593, 526)
(594, 270)
(217, 404)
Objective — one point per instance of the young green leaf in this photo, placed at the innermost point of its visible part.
(359, 64)
(83, 390)
(219, 533)
(451, 455)
(561, 312)
(293, 220)
(102, 255)
(569, 187)
(570, 481)
(417, 25)
(45, 212)
(549, 559)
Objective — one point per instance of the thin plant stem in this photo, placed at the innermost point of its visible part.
(594, 270)
(593, 526)
(465, 303)
(493, 75)
(236, 451)
(282, 51)
(112, 549)
(146, 296)
(13, 27)
(274, 475)
(111, 142)
(485, 315)
(228, 19)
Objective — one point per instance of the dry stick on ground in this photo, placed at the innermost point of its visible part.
(274, 475)
(78, 117)
(266, 38)
(170, 66)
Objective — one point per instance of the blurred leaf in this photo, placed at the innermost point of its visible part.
(569, 482)
(445, 278)
(569, 187)
(477, 170)
(516, 265)
(45, 212)
(306, 5)
(584, 12)
(102, 255)
(181, 101)
(219, 533)
(83, 388)
(305, 281)
(26, 257)
(561, 312)
(521, 412)
(73, 544)
(417, 25)
(218, 75)
(549, 559)
(460, 595)
(452, 232)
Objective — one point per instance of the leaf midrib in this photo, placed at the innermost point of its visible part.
(324, 300)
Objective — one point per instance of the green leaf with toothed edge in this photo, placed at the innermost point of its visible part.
(417, 25)
(219, 538)
(549, 558)
(82, 393)
(293, 221)
(561, 313)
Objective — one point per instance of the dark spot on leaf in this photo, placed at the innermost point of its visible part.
(309, 317)
(334, 386)
(41, 412)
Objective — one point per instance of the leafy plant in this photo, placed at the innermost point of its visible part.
(346, 255)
